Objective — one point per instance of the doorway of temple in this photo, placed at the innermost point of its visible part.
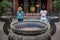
(21, 3)
(34, 6)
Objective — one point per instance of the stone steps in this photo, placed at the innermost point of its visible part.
(32, 15)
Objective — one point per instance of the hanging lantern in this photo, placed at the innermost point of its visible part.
(32, 9)
(37, 5)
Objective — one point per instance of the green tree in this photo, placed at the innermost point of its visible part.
(56, 5)
(5, 4)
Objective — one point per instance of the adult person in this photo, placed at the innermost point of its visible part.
(20, 14)
(43, 13)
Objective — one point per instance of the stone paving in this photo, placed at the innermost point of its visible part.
(3, 36)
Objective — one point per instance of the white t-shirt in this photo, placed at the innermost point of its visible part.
(43, 16)
(43, 12)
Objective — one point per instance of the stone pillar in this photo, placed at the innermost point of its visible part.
(26, 6)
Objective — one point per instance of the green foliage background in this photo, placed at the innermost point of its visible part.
(56, 3)
(4, 4)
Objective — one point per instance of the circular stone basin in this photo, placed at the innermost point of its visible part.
(29, 28)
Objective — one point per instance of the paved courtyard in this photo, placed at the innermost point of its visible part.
(3, 36)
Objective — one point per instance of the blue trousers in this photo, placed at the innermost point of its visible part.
(20, 19)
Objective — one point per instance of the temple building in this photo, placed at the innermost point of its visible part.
(30, 6)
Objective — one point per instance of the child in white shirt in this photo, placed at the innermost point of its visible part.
(43, 16)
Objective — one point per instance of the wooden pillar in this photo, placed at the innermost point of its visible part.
(26, 6)
(16, 5)
(48, 6)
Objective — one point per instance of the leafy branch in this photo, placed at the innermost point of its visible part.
(5, 4)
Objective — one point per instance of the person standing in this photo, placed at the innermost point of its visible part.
(43, 13)
(20, 14)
